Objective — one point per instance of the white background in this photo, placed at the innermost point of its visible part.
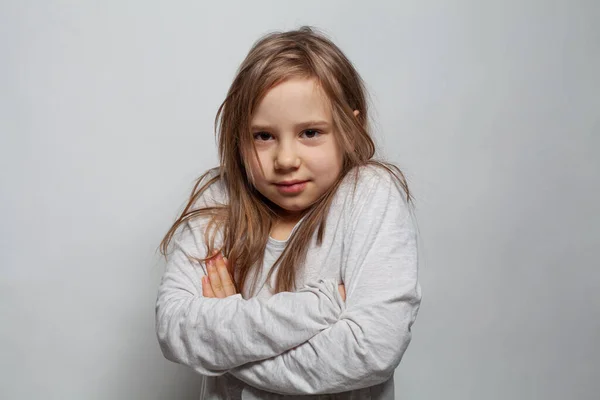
(491, 108)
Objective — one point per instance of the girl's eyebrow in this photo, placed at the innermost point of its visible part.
(312, 124)
(298, 126)
(260, 128)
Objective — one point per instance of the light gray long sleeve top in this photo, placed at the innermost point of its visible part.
(307, 342)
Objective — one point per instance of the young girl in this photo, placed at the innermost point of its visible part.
(299, 208)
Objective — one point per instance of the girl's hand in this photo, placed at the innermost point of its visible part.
(342, 290)
(218, 283)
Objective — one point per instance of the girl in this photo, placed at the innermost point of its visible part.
(299, 207)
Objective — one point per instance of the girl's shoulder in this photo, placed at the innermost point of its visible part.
(374, 186)
(215, 193)
(372, 178)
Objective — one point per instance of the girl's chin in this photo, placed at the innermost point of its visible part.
(288, 210)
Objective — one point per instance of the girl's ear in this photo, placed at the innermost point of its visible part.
(356, 112)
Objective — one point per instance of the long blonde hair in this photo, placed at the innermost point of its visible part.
(246, 221)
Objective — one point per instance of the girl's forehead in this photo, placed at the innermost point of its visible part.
(294, 100)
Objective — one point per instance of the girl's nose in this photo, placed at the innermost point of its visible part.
(286, 158)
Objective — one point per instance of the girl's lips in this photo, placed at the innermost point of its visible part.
(293, 188)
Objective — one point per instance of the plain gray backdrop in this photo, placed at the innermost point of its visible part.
(491, 108)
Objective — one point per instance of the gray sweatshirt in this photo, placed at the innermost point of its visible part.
(307, 342)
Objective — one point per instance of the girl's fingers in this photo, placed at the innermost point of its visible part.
(215, 280)
(206, 288)
(218, 283)
(226, 281)
(229, 266)
(342, 290)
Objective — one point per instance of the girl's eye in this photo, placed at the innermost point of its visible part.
(262, 136)
(311, 133)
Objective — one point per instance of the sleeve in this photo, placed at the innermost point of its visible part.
(214, 335)
(366, 344)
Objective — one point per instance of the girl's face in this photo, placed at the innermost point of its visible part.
(296, 145)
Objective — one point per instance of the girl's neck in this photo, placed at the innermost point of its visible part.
(284, 224)
(290, 217)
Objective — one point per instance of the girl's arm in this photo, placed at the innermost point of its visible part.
(366, 344)
(214, 335)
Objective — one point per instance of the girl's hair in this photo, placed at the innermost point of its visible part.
(245, 223)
